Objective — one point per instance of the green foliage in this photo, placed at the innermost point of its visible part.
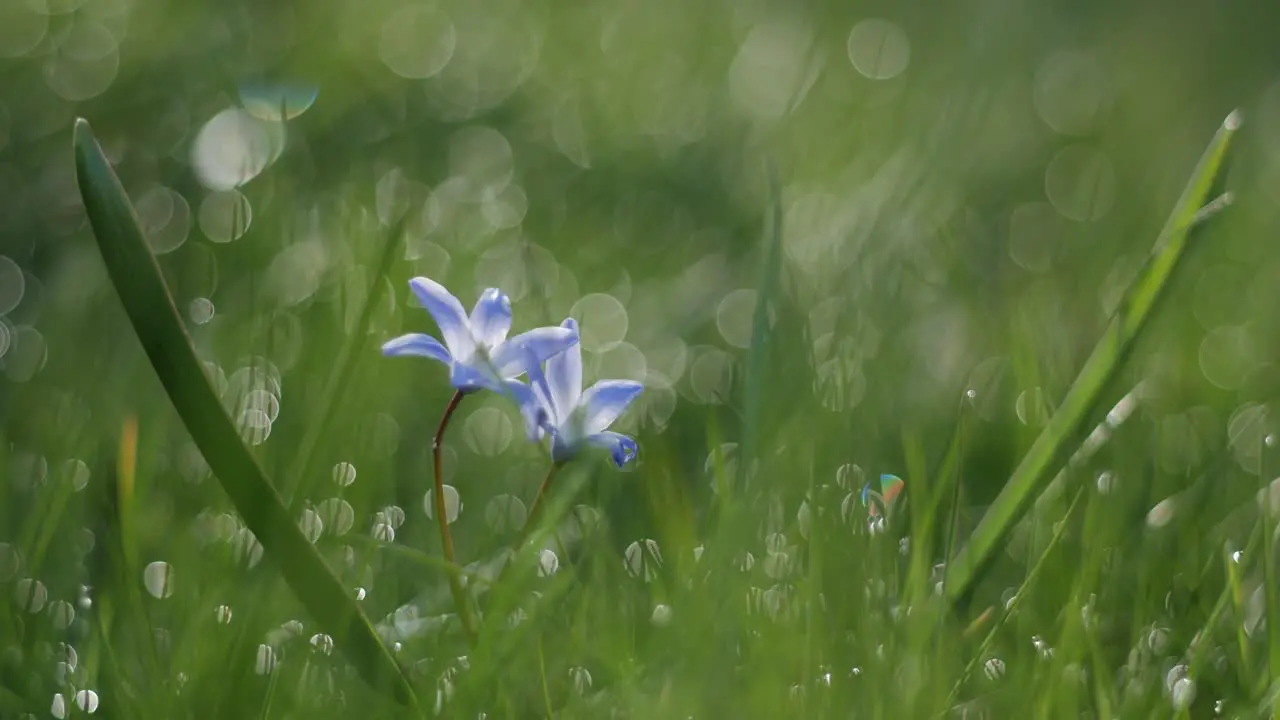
(136, 276)
(834, 241)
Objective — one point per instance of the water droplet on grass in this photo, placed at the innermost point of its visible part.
(30, 595)
(548, 563)
(337, 515)
(158, 577)
(61, 614)
(643, 558)
(384, 533)
(265, 662)
(87, 701)
(581, 679)
(452, 504)
(344, 473)
(505, 513)
(661, 616)
(878, 49)
(322, 643)
(311, 525)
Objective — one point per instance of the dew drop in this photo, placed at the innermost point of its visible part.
(158, 577)
(225, 215)
(87, 701)
(200, 310)
(643, 559)
(322, 643)
(505, 513)
(337, 515)
(265, 662)
(31, 595)
(878, 49)
(393, 515)
(548, 563)
(581, 679)
(61, 614)
(452, 504)
(246, 547)
(384, 533)
(344, 473)
(661, 615)
(1183, 693)
(311, 525)
(488, 431)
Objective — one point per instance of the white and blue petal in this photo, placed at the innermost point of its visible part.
(605, 401)
(417, 344)
(465, 376)
(622, 448)
(531, 408)
(550, 419)
(448, 314)
(564, 375)
(514, 357)
(491, 318)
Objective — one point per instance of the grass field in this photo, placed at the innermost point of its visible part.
(958, 384)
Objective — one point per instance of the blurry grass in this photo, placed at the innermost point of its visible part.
(1054, 444)
(786, 613)
(796, 607)
(304, 465)
(136, 277)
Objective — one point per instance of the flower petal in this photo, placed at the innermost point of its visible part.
(538, 384)
(419, 345)
(605, 401)
(622, 448)
(513, 357)
(491, 318)
(448, 314)
(531, 408)
(564, 375)
(563, 449)
(464, 376)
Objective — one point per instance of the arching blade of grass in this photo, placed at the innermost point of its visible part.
(136, 276)
(1051, 448)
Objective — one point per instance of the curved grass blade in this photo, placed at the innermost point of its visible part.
(136, 276)
(1051, 447)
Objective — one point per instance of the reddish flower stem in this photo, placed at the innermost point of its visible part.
(543, 491)
(446, 537)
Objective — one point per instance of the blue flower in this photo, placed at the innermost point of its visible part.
(476, 347)
(554, 404)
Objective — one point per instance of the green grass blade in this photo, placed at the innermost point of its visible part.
(136, 276)
(1050, 448)
(761, 333)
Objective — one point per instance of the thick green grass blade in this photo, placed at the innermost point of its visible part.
(1051, 447)
(136, 276)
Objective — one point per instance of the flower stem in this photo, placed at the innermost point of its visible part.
(543, 490)
(446, 537)
(529, 523)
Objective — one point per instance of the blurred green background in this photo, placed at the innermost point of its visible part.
(965, 191)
